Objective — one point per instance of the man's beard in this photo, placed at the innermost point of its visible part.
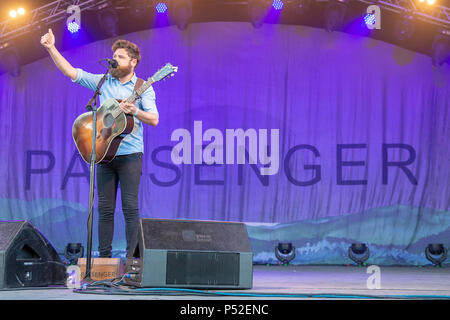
(121, 71)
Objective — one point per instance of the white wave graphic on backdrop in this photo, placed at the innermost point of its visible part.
(16, 209)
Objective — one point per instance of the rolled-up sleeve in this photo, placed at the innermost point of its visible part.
(148, 101)
(87, 80)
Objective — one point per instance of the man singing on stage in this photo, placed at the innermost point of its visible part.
(126, 167)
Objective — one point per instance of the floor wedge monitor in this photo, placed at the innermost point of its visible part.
(27, 259)
(191, 254)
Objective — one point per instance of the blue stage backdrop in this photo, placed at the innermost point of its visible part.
(358, 134)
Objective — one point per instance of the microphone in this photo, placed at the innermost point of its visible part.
(112, 63)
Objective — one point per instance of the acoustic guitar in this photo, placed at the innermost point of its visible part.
(112, 123)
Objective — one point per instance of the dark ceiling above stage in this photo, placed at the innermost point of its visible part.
(214, 10)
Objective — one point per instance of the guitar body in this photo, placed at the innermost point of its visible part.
(110, 132)
(112, 124)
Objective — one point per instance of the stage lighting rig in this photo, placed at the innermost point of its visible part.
(359, 253)
(285, 252)
(369, 19)
(429, 2)
(73, 22)
(17, 13)
(436, 253)
(161, 7)
(372, 19)
(257, 11)
(180, 12)
(334, 14)
(278, 4)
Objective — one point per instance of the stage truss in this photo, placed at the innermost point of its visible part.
(56, 11)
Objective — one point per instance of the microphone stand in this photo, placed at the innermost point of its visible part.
(92, 106)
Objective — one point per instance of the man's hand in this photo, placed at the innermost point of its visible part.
(127, 107)
(48, 39)
(144, 116)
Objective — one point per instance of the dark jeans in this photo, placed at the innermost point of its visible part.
(128, 170)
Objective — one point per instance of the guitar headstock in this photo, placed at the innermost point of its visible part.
(164, 72)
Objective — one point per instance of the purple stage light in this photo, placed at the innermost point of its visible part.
(277, 4)
(73, 27)
(161, 7)
(369, 19)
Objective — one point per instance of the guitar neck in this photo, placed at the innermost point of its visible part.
(136, 94)
(140, 91)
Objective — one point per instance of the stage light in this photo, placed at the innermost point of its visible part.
(436, 253)
(285, 252)
(15, 13)
(369, 19)
(301, 6)
(73, 27)
(429, 2)
(108, 19)
(257, 11)
(73, 252)
(161, 7)
(404, 27)
(440, 50)
(359, 253)
(334, 15)
(73, 22)
(180, 11)
(372, 17)
(277, 4)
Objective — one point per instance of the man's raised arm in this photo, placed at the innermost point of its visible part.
(48, 41)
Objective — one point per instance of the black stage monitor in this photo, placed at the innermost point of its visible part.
(191, 253)
(27, 259)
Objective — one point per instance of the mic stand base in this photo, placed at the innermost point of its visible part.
(86, 281)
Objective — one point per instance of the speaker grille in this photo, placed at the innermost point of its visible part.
(8, 230)
(202, 268)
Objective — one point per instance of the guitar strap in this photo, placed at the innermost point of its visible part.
(139, 83)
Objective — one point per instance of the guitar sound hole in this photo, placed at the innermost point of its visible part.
(108, 120)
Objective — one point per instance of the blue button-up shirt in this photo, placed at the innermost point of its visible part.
(113, 88)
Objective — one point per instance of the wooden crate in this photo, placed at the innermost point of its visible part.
(102, 268)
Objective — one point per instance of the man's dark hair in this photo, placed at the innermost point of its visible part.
(132, 49)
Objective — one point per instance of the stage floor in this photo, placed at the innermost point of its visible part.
(290, 282)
